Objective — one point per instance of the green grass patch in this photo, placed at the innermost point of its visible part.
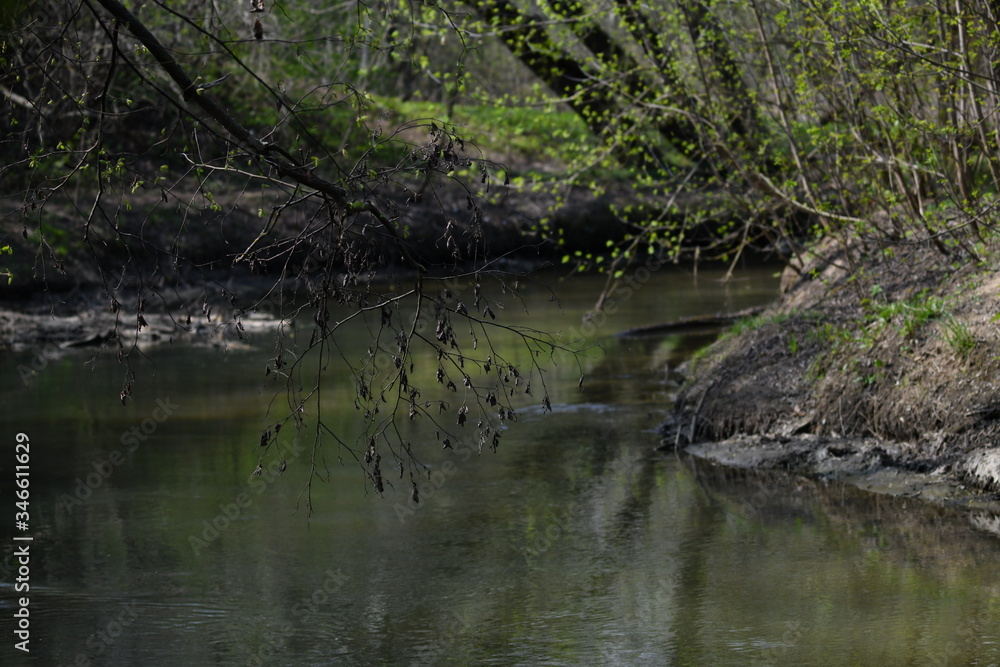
(908, 316)
(755, 322)
(538, 135)
(958, 336)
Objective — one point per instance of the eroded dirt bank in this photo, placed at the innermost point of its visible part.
(880, 365)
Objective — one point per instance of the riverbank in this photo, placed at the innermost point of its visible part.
(173, 267)
(879, 366)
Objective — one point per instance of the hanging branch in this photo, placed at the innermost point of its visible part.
(283, 163)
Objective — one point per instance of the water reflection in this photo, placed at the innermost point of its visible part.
(575, 544)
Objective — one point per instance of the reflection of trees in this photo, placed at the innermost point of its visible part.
(693, 578)
(898, 529)
(866, 548)
(633, 370)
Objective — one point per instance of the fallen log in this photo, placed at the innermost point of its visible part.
(694, 324)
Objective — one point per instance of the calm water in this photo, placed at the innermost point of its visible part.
(573, 544)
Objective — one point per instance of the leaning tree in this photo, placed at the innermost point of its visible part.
(149, 128)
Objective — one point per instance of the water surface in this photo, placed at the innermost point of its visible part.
(574, 544)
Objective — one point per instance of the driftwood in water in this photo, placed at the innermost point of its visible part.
(695, 324)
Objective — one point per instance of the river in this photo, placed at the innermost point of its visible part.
(574, 544)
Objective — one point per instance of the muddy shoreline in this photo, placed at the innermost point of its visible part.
(877, 367)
